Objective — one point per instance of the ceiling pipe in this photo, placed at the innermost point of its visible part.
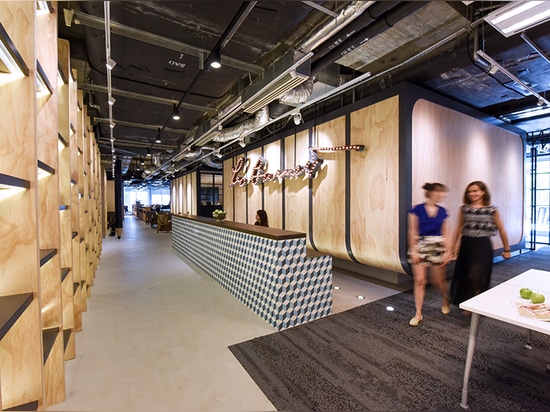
(366, 18)
(534, 46)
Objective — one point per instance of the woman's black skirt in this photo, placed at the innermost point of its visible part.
(472, 273)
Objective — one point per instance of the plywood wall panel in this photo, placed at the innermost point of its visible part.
(273, 193)
(296, 189)
(17, 128)
(254, 192)
(21, 364)
(374, 185)
(329, 190)
(19, 252)
(465, 149)
(228, 191)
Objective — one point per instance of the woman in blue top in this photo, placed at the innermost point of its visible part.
(429, 247)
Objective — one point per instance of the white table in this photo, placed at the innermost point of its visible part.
(498, 303)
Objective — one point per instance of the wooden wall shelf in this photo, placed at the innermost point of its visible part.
(11, 307)
(46, 255)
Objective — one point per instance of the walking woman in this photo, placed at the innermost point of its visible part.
(478, 221)
(428, 247)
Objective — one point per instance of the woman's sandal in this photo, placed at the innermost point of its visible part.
(415, 321)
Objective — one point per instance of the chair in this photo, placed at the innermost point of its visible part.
(164, 222)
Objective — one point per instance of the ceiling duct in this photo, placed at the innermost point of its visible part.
(235, 132)
(282, 77)
(298, 94)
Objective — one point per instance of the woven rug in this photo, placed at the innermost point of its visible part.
(369, 358)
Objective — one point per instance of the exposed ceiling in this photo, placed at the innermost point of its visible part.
(323, 51)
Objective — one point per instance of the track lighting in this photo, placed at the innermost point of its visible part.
(148, 152)
(112, 100)
(540, 102)
(493, 69)
(297, 118)
(215, 59)
(112, 125)
(158, 139)
(175, 113)
(242, 143)
(111, 64)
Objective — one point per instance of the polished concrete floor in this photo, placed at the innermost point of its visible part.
(155, 336)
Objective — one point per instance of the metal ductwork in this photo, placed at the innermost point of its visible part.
(285, 75)
(299, 94)
(382, 24)
(233, 133)
(210, 162)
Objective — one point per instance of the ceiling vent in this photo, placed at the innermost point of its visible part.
(285, 75)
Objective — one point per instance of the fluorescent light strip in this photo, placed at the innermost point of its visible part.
(518, 16)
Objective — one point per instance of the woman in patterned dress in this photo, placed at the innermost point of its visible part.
(478, 221)
(428, 247)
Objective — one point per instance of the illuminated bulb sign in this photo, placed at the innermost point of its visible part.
(259, 174)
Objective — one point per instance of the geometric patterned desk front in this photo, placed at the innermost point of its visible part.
(274, 278)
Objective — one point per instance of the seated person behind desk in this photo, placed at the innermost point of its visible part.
(261, 218)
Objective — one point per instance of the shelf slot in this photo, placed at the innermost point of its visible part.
(62, 140)
(44, 169)
(46, 255)
(10, 182)
(63, 207)
(43, 86)
(75, 287)
(64, 273)
(31, 406)
(66, 337)
(74, 234)
(49, 336)
(11, 307)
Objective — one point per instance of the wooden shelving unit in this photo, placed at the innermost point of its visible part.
(47, 168)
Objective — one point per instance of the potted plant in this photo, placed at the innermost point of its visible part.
(219, 215)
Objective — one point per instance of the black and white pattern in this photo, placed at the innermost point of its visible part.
(274, 278)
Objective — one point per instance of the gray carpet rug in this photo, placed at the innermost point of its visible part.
(369, 358)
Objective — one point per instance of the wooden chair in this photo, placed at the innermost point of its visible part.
(164, 222)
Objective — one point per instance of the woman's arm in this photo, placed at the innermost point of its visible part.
(412, 235)
(447, 256)
(506, 253)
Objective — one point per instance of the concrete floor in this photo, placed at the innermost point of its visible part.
(156, 334)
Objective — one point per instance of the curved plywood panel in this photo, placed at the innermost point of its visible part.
(296, 190)
(273, 192)
(329, 191)
(374, 185)
(463, 149)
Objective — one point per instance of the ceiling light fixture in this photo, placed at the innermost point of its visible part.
(519, 16)
(215, 59)
(158, 139)
(242, 143)
(297, 117)
(112, 100)
(493, 69)
(512, 77)
(148, 152)
(10, 59)
(112, 125)
(175, 113)
(110, 64)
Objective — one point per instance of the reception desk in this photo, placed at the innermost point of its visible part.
(267, 269)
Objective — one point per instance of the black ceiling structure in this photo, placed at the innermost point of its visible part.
(283, 62)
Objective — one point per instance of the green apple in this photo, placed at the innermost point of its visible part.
(537, 297)
(525, 293)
